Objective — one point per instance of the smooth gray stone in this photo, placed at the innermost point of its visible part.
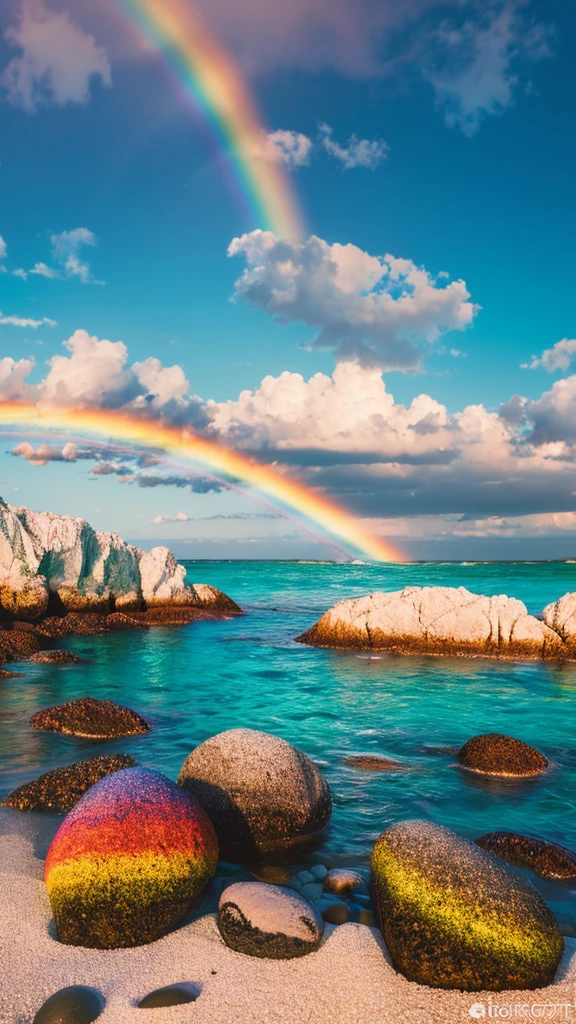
(74, 1005)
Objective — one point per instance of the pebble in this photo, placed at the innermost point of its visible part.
(305, 876)
(338, 913)
(312, 890)
(295, 882)
(343, 881)
(276, 874)
(170, 995)
(319, 871)
(74, 1005)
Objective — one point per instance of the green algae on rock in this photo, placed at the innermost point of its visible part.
(62, 788)
(496, 754)
(260, 793)
(91, 718)
(454, 916)
(544, 858)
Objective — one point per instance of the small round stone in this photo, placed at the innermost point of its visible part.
(366, 917)
(261, 793)
(268, 921)
(312, 890)
(275, 874)
(319, 871)
(496, 754)
(170, 995)
(544, 858)
(454, 916)
(304, 877)
(62, 788)
(338, 913)
(74, 1005)
(91, 718)
(343, 881)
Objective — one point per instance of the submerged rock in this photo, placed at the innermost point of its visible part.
(496, 754)
(92, 718)
(15, 644)
(438, 620)
(60, 789)
(376, 763)
(550, 860)
(454, 916)
(268, 921)
(260, 793)
(74, 1005)
(128, 861)
(343, 882)
(55, 658)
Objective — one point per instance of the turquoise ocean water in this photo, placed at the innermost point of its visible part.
(195, 681)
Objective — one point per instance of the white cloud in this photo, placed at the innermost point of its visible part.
(66, 248)
(42, 270)
(476, 72)
(46, 453)
(558, 357)
(368, 153)
(3, 249)
(288, 147)
(23, 321)
(378, 309)
(20, 272)
(13, 375)
(58, 59)
(180, 517)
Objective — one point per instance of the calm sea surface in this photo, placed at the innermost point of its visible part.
(198, 680)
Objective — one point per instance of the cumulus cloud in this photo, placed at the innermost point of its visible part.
(46, 453)
(287, 147)
(558, 357)
(3, 249)
(180, 517)
(367, 153)
(66, 250)
(198, 484)
(25, 321)
(57, 62)
(477, 62)
(377, 309)
(13, 374)
(42, 270)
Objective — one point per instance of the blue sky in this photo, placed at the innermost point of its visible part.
(475, 105)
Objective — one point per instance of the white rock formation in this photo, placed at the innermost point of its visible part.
(43, 553)
(446, 620)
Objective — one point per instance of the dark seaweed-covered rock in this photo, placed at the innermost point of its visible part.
(74, 1005)
(550, 860)
(119, 620)
(260, 793)
(55, 658)
(496, 754)
(17, 644)
(128, 861)
(454, 916)
(268, 921)
(62, 788)
(375, 763)
(170, 995)
(92, 718)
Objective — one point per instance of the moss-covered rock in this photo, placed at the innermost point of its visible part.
(62, 788)
(544, 858)
(496, 754)
(92, 718)
(454, 916)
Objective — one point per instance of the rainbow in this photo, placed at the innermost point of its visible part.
(211, 81)
(186, 445)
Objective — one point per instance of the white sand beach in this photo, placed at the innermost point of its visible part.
(348, 981)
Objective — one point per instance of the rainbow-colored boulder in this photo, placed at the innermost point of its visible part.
(128, 860)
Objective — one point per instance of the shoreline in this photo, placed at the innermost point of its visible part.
(349, 980)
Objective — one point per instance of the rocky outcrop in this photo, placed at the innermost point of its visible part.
(448, 620)
(260, 793)
(454, 916)
(59, 562)
(62, 788)
(91, 718)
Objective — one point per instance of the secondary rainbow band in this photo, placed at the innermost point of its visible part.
(213, 83)
(192, 447)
